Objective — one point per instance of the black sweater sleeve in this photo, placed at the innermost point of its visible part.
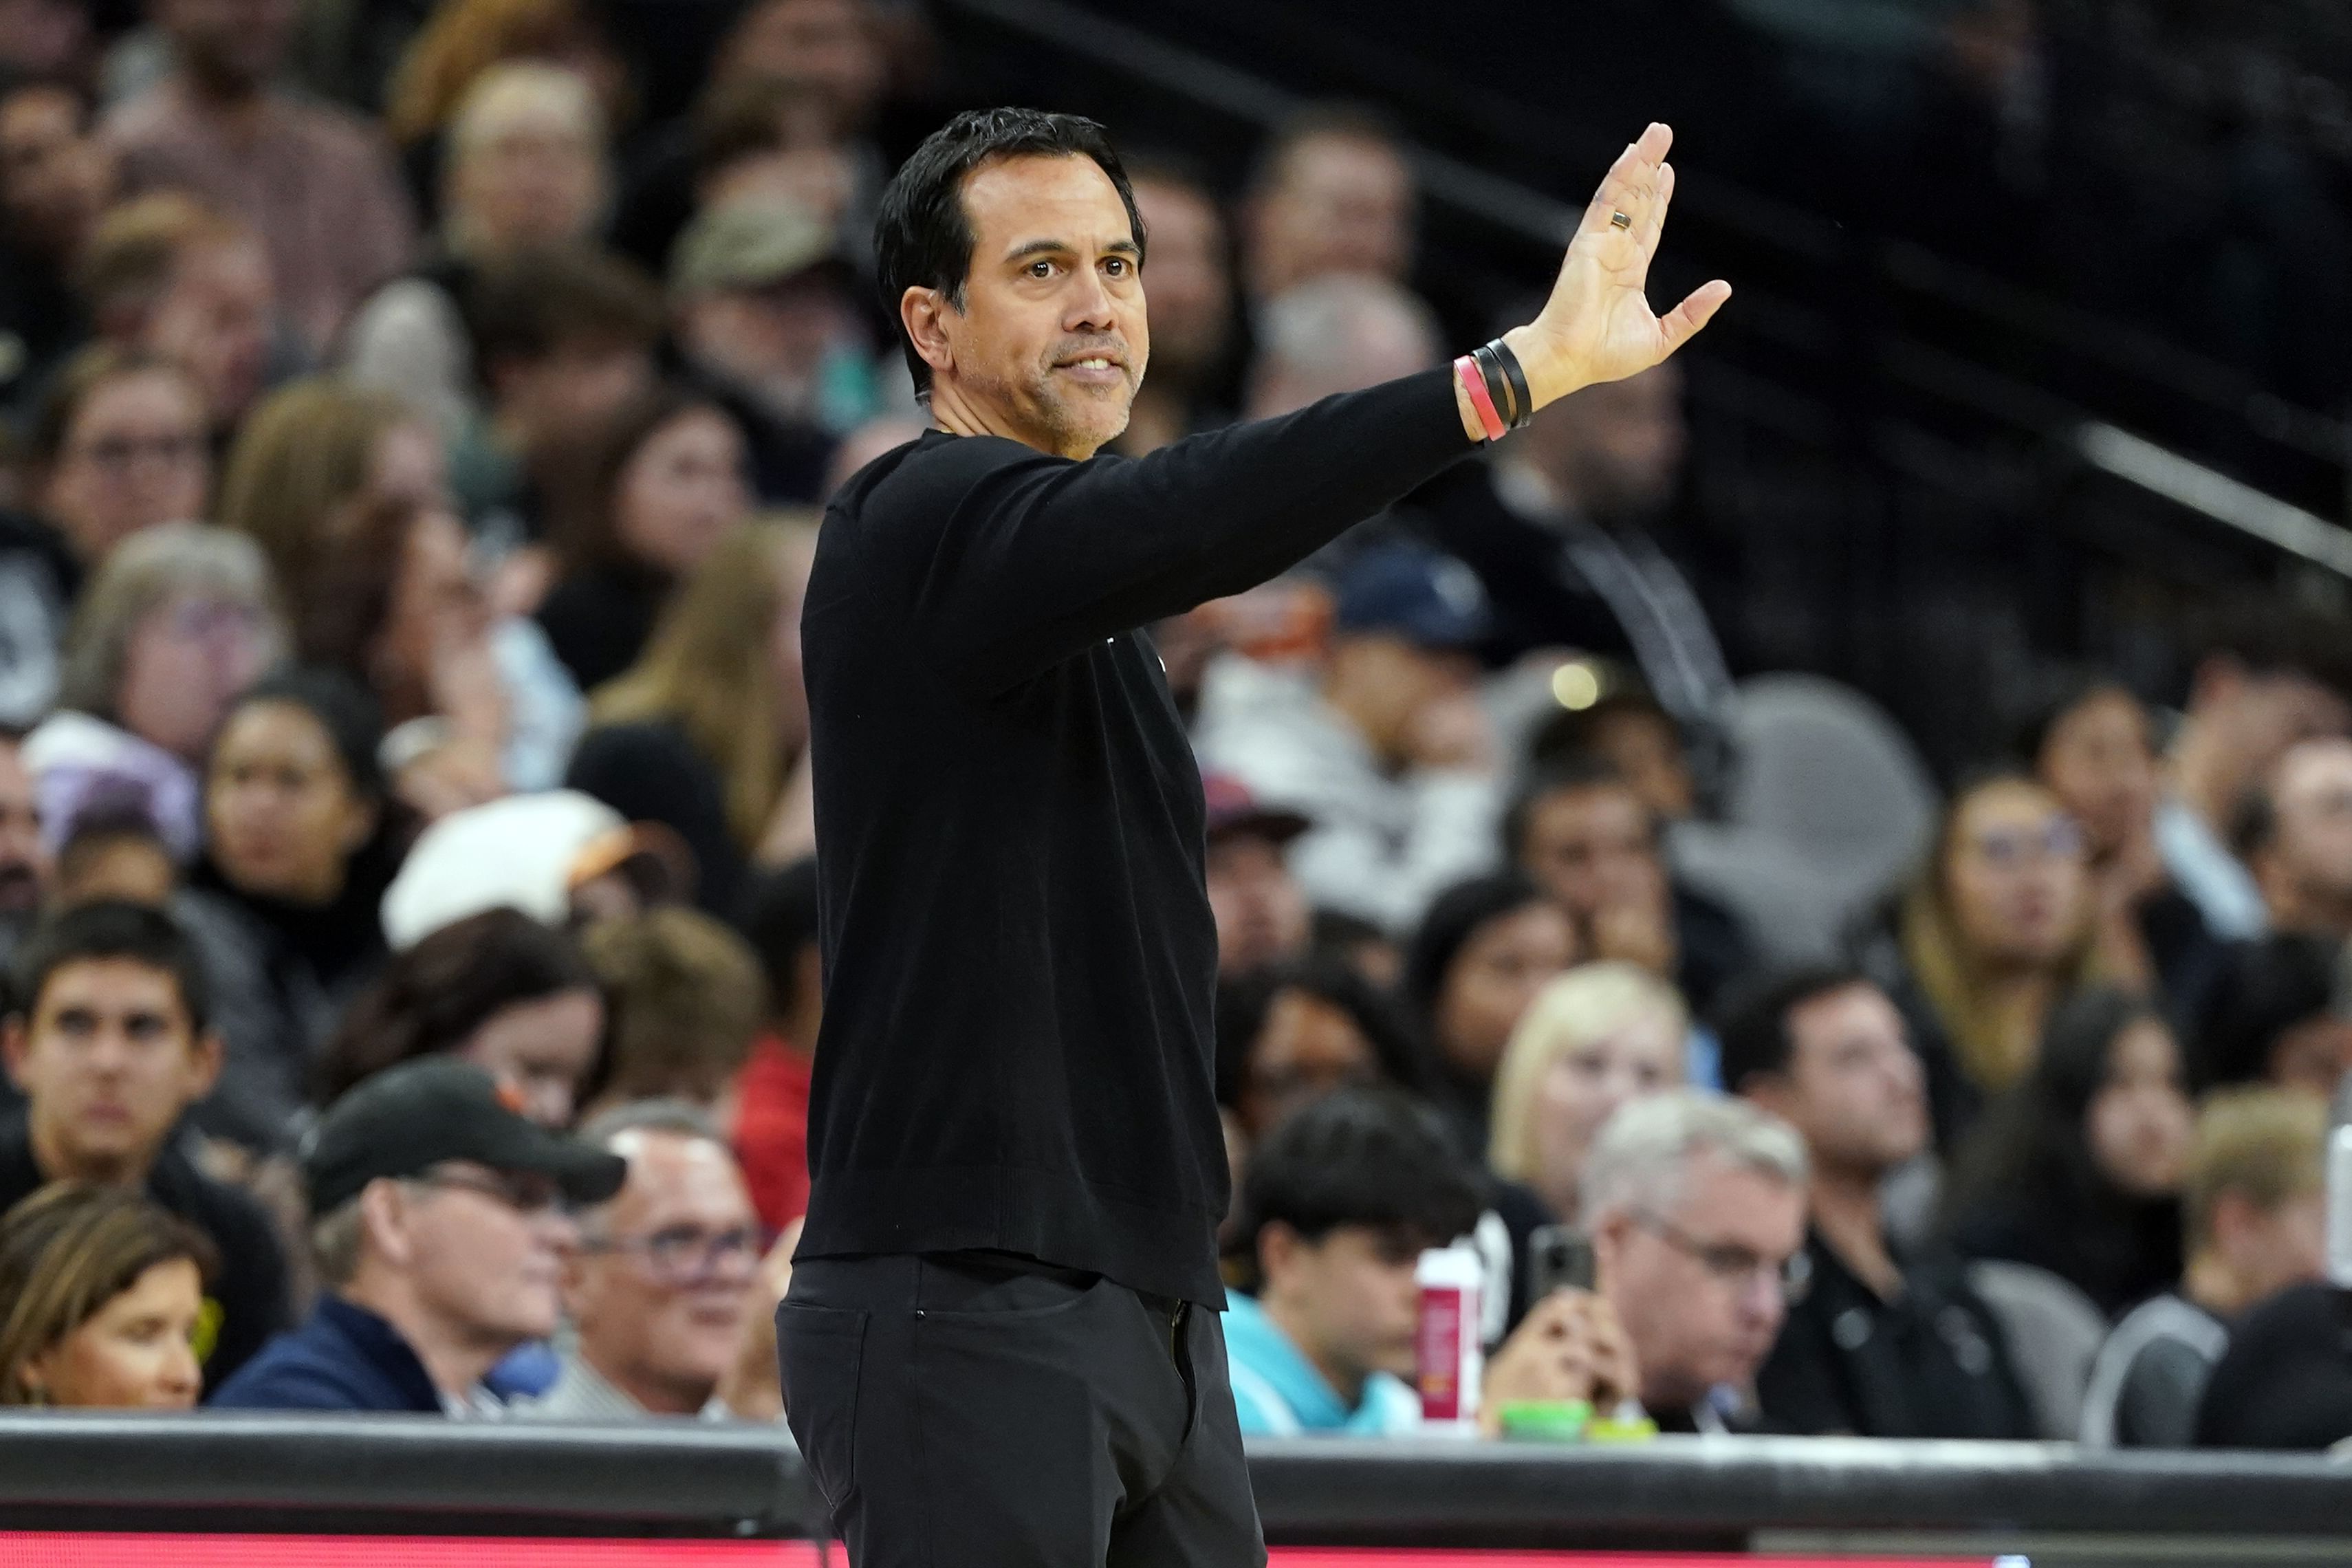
(1017, 560)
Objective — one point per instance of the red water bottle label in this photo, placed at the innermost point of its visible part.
(1439, 1348)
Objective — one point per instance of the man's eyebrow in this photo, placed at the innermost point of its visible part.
(1063, 247)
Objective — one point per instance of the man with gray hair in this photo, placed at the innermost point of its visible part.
(667, 1293)
(1696, 1206)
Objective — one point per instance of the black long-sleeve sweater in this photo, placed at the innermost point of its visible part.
(1019, 956)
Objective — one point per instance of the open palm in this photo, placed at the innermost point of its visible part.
(1598, 325)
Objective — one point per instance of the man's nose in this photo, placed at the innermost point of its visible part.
(1090, 304)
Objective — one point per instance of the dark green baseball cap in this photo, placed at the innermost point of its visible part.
(408, 1119)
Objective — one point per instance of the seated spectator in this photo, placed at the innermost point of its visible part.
(1584, 833)
(686, 1002)
(121, 446)
(1380, 741)
(284, 905)
(1593, 1039)
(114, 853)
(346, 491)
(169, 277)
(106, 1302)
(1881, 1345)
(1630, 731)
(1338, 333)
(559, 857)
(1191, 306)
(2294, 832)
(707, 734)
(2079, 1171)
(524, 167)
(56, 179)
(771, 1109)
(2273, 1019)
(2284, 1383)
(319, 185)
(1331, 194)
(1291, 1035)
(1261, 912)
(665, 487)
(1337, 1208)
(1696, 1206)
(664, 1293)
(434, 75)
(1989, 938)
(178, 621)
(766, 319)
(440, 1228)
(1486, 949)
(2270, 675)
(500, 990)
(28, 871)
(111, 1041)
(2093, 745)
(2257, 1213)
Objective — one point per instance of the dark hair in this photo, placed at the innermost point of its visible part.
(1570, 774)
(1454, 916)
(1573, 734)
(2271, 637)
(588, 529)
(110, 818)
(1753, 1033)
(66, 1251)
(1242, 1005)
(745, 118)
(533, 304)
(345, 709)
(1345, 119)
(922, 235)
(1367, 1157)
(2056, 698)
(107, 930)
(431, 998)
(779, 919)
(2265, 988)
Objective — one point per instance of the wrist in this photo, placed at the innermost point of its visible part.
(1549, 375)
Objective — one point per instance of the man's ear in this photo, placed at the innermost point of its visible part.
(2233, 1214)
(383, 1213)
(1278, 1247)
(922, 312)
(15, 1044)
(207, 1051)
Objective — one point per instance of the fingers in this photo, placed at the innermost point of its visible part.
(1682, 323)
(1631, 186)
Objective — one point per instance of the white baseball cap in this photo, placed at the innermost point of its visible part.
(527, 852)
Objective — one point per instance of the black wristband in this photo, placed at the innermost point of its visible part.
(1499, 386)
(1523, 400)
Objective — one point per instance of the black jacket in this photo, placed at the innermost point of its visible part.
(1019, 956)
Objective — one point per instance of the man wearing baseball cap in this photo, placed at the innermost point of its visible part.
(1381, 742)
(440, 1217)
(1262, 914)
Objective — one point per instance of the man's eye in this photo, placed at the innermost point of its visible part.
(1041, 269)
(1116, 264)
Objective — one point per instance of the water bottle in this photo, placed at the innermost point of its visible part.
(1450, 1357)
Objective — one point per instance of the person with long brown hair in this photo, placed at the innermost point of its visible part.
(707, 732)
(104, 1301)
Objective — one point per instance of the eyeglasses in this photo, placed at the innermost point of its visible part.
(2058, 839)
(1733, 1265)
(114, 455)
(528, 1195)
(688, 1255)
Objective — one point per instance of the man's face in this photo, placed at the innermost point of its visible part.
(1050, 344)
(25, 865)
(1307, 1047)
(774, 340)
(1350, 1298)
(1186, 282)
(237, 45)
(484, 1251)
(214, 320)
(1617, 447)
(2261, 714)
(1340, 203)
(1853, 1087)
(1593, 847)
(582, 385)
(830, 44)
(55, 176)
(663, 1281)
(1697, 1285)
(1395, 682)
(108, 1060)
(2312, 791)
(1261, 912)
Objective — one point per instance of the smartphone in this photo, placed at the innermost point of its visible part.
(1560, 1257)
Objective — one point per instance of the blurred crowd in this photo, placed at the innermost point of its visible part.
(418, 433)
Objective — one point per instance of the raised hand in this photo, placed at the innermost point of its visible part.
(1598, 325)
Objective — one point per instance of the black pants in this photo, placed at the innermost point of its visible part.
(977, 1410)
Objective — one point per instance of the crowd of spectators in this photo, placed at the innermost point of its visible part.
(416, 451)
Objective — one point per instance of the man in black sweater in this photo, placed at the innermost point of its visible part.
(1002, 1343)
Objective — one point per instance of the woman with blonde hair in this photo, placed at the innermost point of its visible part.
(101, 1301)
(466, 38)
(1594, 1038)
(707, 732)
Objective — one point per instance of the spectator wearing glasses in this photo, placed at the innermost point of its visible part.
(666, 1288)
(441, 1221)
(120, 444)
(1695, 1205)
(2294, 830)
(1881, 1345)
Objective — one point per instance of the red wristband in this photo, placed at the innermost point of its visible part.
(1474, 386)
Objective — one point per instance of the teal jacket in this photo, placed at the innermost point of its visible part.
(1277, 1393)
